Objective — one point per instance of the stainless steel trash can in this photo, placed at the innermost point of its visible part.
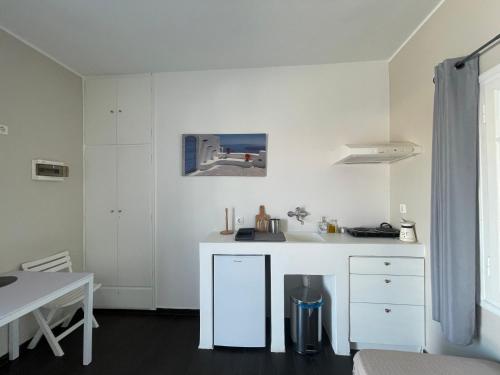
(305, 320)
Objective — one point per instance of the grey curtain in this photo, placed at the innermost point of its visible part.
(454, 206)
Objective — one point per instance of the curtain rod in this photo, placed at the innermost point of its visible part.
(460, 64)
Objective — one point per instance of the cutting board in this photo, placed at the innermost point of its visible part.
(262, 220)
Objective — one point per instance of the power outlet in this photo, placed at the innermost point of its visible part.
(402, 208)
(4, 130)
(240, 221)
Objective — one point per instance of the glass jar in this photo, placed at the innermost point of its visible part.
(332, 226)
(323, 225)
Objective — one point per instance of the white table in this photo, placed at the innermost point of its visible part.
(32, 290)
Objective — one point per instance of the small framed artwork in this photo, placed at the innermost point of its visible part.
(224, 155)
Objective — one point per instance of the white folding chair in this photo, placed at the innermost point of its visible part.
(70, 302)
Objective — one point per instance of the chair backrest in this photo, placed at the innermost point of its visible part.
(54, 263)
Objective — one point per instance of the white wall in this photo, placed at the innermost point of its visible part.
(457, 28)
(41, 102)
(306, 111)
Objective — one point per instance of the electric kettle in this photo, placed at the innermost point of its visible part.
(407, 232)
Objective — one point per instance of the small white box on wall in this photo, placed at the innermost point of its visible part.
(46, 170)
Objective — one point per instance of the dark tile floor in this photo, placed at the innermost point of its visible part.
(142, 344)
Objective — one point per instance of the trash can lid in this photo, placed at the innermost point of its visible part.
(304, 295)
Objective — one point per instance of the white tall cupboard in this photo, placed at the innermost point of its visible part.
(118, 110)
(119, 177)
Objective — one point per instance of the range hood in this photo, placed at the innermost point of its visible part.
(375, 153)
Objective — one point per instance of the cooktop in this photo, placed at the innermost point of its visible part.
(383, 230)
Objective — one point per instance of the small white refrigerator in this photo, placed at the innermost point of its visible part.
(240, 300)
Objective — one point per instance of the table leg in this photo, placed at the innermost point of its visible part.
(14, 339)
(88, 305)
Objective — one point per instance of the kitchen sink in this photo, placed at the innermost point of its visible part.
(7, 280)
(303, 237)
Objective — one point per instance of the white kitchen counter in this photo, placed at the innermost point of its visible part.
(329, 259)
(336, 238)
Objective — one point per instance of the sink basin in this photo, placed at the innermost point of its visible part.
(303, 237)
(7, 280)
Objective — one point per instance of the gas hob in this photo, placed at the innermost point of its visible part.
(384, 230)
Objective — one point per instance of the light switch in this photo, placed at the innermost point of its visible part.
(402, 208)
(4, 129)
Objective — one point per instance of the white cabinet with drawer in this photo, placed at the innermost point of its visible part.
(387, 266)
(402, 290)
(387, 302)
(387, 324)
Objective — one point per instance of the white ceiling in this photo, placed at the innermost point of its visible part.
(134, 36)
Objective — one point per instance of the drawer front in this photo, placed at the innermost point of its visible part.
(387, 266)
(403, 290)
(387, 324)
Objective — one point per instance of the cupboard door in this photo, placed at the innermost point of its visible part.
(240, 300)
(100, 213)
(134, 110)
(100, 111)
(135, 245)
(387, 324)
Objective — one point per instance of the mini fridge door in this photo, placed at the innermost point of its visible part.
(240, 300)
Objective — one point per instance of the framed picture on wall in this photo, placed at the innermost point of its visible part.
(224, 155)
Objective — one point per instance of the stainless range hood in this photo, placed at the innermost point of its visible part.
(375, 153)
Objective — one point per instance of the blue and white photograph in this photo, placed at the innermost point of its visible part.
(224, 155)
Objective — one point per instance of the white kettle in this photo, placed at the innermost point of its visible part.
(407, 232)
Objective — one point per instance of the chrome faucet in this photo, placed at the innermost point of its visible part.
(300, 213)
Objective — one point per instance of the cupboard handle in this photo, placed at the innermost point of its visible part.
(387, 281)
(111, 211)
(387, 311)
(119, 111)
(387, 263)
(111, 111)
(120, 211)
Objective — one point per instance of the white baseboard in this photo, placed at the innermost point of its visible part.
(134, 298)
(403, 348)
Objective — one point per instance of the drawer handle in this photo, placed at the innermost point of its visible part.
(387, 281)
(387, 263)
(388, 311)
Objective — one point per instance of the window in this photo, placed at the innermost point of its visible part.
(489, 189)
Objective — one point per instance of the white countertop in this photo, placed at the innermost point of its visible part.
(329, 239)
